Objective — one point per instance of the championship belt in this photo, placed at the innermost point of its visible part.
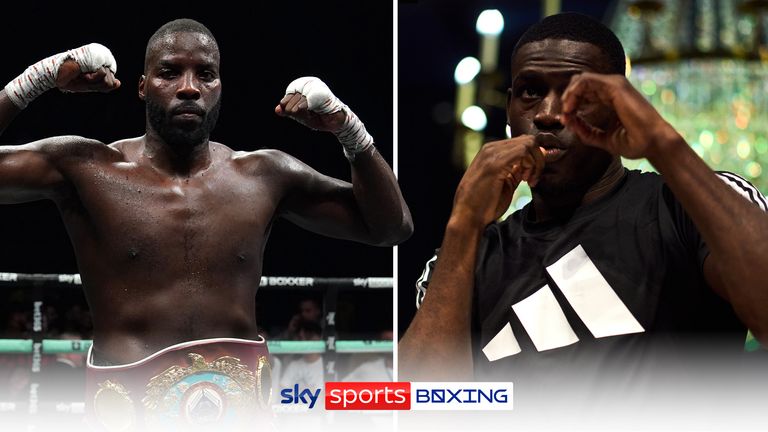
(211, 384)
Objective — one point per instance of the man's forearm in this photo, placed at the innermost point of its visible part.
(379, 199)
(437, 345)
(734, 229)
(64, 71)
(8, 111)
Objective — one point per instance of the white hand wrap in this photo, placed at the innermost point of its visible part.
(41, 76)
(352, 135)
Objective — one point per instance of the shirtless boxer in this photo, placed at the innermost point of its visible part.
(169, 228)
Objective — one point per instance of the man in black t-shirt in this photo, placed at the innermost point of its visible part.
(607, 272)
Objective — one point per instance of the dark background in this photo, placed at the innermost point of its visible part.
(264, 46)
(433, 36)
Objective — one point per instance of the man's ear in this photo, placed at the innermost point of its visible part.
(141, 86)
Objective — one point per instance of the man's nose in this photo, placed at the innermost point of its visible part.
(189, 88)
(548, 118)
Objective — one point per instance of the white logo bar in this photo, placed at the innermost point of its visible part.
(544, 320)
(591, 296)
(504, 344)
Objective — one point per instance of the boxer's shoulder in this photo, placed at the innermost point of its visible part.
(73, 148)
(267, 162)
(221, 152)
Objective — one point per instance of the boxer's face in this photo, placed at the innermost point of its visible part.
(182, 88)
(541, 72)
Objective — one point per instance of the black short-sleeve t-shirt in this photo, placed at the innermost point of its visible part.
(635, 299)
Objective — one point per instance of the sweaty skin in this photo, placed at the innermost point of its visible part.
(169, 236)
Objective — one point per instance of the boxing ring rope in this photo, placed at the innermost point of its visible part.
(13, 279)
(67, 346)
(329, 285)
(329, 346)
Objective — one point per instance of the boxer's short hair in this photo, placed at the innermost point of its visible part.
(183, 25)
(579, 28)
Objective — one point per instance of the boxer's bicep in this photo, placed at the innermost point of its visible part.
(322, 204)
(711, 267)
(26, 175)
(32, 171)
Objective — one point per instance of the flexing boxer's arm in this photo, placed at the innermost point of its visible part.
(372, 208)
(734, 229)
(30, 172)
(437, 344)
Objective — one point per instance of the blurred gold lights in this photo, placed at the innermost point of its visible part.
(475, 95)
(725, 133)
(704, 69)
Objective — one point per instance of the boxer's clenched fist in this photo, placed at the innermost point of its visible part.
(310, 102)
(486, 189)
(91, 67)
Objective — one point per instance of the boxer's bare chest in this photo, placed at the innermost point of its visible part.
(133, 211)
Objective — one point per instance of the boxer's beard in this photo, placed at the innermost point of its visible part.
(182, 140)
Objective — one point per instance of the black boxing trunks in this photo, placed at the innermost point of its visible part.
(211, 384)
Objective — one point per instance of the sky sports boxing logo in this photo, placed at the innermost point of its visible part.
(426, 396)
